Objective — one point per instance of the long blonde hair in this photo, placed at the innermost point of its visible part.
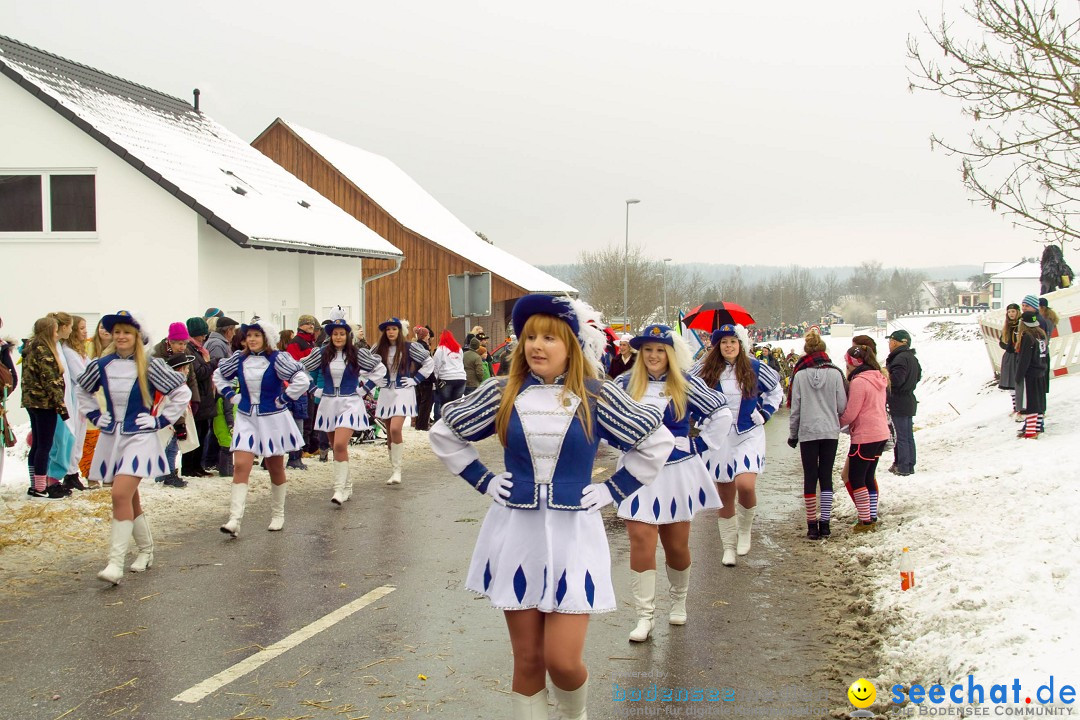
(44, 333)
(97, 347)
(577, 372)
(73, 341)
(140, 360)
(675, 386)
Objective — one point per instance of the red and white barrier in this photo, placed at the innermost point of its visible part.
(1064, 341)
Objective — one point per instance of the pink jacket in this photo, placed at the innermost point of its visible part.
(865, 412)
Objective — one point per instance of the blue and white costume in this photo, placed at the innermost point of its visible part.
(263, 426)
(341, 388)
(744, 448)
(123, 447)
(396, 396)
(684, 485)
(541, 550)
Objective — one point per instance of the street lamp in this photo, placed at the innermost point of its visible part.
(626, 270)
(666, 317)
(781, 304)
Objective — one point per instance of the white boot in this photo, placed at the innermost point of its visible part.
(728, 533)
(680, 585)
(236, 509)
(745, 517)
(118, 546)
(396, 451)
(144, 540)
(572, 704)
(277, 506)
(529, 707)
(342, 486)
(643, 588)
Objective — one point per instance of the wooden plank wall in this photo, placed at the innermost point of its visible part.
(419, 291)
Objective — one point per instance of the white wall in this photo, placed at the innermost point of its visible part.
(1013, 290)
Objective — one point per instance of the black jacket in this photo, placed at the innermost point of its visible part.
(904, 374)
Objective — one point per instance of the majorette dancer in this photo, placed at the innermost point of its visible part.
(406, 365)
(665, 507)
(540, 557)
(263, 425)
(128, 448)
(753, 393)
(342, 373)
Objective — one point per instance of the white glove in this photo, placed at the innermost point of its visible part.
(757, 417)
(318, 393)
(406, 382)
(499, 487)
(682, 443)
(596, 496)
(146, 421)
(235, 399)
(104, 419)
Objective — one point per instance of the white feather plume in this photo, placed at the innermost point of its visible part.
(592, 338)
(404, 328)
(337, 313)
(683, 357)
(744, 338)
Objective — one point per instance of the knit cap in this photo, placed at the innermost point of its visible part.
(307, 320)
(178, 331)
(1031, 301)
(197, 326)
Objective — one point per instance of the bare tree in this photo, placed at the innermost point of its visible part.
(1018, 79)
(599, 279)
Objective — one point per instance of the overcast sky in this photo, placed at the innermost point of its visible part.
(753, 133)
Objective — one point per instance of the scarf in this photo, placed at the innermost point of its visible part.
(811, 360)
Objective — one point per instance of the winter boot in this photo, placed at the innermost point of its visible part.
(72, 482)
(823, 529)
(529, 707)
(144, 540)
(342, 488)
(225, 464)
(745, 518)
(277, 506)
(118, 546)
(236, 509)
(728, 531)
(680, 585)
(813, 531)
(643, 588)
(324, 454)
(396, 451)
(572, 704)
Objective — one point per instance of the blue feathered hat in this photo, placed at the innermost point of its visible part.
(120, 316)
(722, 332)
(653, 333)
(267, 328)
(331, 325)
(531, 305)
(387, 323)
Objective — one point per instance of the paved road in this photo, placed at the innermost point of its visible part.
(428, 647)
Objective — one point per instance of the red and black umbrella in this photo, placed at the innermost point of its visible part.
(711, 316)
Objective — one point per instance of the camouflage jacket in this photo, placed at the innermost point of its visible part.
(42, 378)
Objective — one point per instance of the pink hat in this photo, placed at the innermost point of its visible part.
(178, 331)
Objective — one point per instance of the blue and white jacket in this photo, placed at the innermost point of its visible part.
(766, 397)
(418, 366)
(547, 443)
(118, 377)
(707, 408)
(262, 379)
(341, 379)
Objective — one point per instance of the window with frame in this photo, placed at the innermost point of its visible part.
(48, 203)
(997, 290)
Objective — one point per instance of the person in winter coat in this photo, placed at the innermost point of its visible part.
(1033, 370)
(449, 372)
(205, 409)
(1009, 342)
(474, 367)
(219, 342)
(301, 345)
(425, 390)
(904, 375)
(180, 363)
(1049, 316)
(218, 346)
(818, 397)
(866, 420)
(624, 359)
(43, 397)
(75, 358)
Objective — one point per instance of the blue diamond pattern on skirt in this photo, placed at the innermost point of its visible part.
(560, 589)
(487, 575)
(674, 507)
(251, 441)
(700, 497)
(746, 461)
(544, 589)
(635, 504)
(161, 463)
(519, 583)
(590, 588)
(690, 504)
(135, 465)
(731, 471)
(271, 441)
(656, 509)
(104, 469)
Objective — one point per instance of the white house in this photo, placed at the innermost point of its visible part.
(1011, 283)
(116, 196)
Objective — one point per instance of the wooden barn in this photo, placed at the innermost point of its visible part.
(435, 243)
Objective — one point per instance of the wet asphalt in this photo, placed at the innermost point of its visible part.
(76, 649)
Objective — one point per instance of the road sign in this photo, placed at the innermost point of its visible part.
(470, 294)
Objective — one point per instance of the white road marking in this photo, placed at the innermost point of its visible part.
(223, 678)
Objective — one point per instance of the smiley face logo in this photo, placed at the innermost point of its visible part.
(862, 693)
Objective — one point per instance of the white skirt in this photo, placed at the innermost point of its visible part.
(396, 402)
(266, 435)
(346, 411)
(138, 455)
(549, 560)
(740, 454)
(681, 490)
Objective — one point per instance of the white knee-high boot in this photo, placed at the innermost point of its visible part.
(236, 509)
(572, 704)
(144, 540)
(342, 485)
(728, 538)
(680, 586)
(397, 450)
(277, 506)
(119, 537)
(643, 588)
(745, 517)
(529, 707)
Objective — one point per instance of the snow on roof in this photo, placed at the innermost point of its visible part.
(240, 191)
(1024, 270)
(411, 205)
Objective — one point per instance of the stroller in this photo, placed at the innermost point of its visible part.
(378, 427)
